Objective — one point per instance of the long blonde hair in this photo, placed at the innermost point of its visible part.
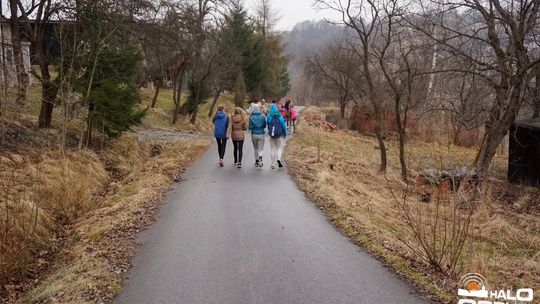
(240, 111)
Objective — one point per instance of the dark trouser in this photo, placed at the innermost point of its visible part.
(238, 148)
(221, 145)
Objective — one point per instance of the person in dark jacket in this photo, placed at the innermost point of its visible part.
(221, 126)
(257, 124)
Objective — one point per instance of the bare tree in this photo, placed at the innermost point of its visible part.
(35, 28)
(363, 18)
(492, 38)
(266, 16)
(16, 42)
(154, 38)
(337, 65)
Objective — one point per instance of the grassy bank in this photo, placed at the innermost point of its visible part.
(161, 115)
(68, 217)
(338, 170)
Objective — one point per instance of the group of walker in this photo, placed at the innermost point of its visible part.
(276, 119)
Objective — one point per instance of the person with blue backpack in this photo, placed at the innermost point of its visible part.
(221, 126)
(277, 129)
(257, 124)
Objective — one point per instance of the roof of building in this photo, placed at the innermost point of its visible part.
(529, 123)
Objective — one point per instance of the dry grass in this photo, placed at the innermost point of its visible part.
(346, 183)
(72, 216)
(102, 243)
(104, 200)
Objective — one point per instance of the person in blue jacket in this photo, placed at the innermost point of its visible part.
(257, 124)
(277, 129)
(221, 125)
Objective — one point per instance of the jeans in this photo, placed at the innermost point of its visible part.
(238, 148)
(275, 149)
(258, 145)
(222, 144)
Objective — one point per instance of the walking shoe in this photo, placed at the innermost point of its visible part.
(235, 164)
(257, 163)
(239, 165)
(273, 165)
(280, 164)
(260, 161)
(221, 162)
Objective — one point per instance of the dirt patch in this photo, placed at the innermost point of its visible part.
(166, 136)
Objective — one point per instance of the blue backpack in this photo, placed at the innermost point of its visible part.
(276, 129)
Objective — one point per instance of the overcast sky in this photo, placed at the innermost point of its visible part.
(294, 11)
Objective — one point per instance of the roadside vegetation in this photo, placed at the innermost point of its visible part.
(69, 218)
(338, 170)
(433, 92)
(115, 101)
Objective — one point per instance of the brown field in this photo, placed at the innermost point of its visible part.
(504, 234)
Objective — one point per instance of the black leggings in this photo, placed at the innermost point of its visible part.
(221, 144)
(238, 148)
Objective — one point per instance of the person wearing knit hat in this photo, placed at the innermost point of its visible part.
(257, 124)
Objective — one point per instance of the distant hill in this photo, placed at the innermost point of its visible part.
(304, 39)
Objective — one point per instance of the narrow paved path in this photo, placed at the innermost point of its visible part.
(234, 236)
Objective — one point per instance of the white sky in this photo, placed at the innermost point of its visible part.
(294, 11)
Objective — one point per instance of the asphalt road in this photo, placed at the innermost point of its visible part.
(234, 236)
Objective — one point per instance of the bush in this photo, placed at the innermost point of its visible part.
(439, 222)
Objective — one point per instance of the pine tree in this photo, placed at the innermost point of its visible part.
(239, 90)
(240, 33)
(113, 100)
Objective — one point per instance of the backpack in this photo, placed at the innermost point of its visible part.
(283, 112)
(294, 114)
(276, 129)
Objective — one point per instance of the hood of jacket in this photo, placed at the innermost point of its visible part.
(274, 111)
(220, 115)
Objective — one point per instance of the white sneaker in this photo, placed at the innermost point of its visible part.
(273, 165)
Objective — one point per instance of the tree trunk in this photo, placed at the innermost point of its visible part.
(342, 107)
(491, 141)
(49, 90)
(402, 133)
(195, 110)
(22, 76)
(177, 96)
(217, 93)
(89, 126)
(157, 85)
(193, 118)
(536, 102)
(380, 138)
(498, 126)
